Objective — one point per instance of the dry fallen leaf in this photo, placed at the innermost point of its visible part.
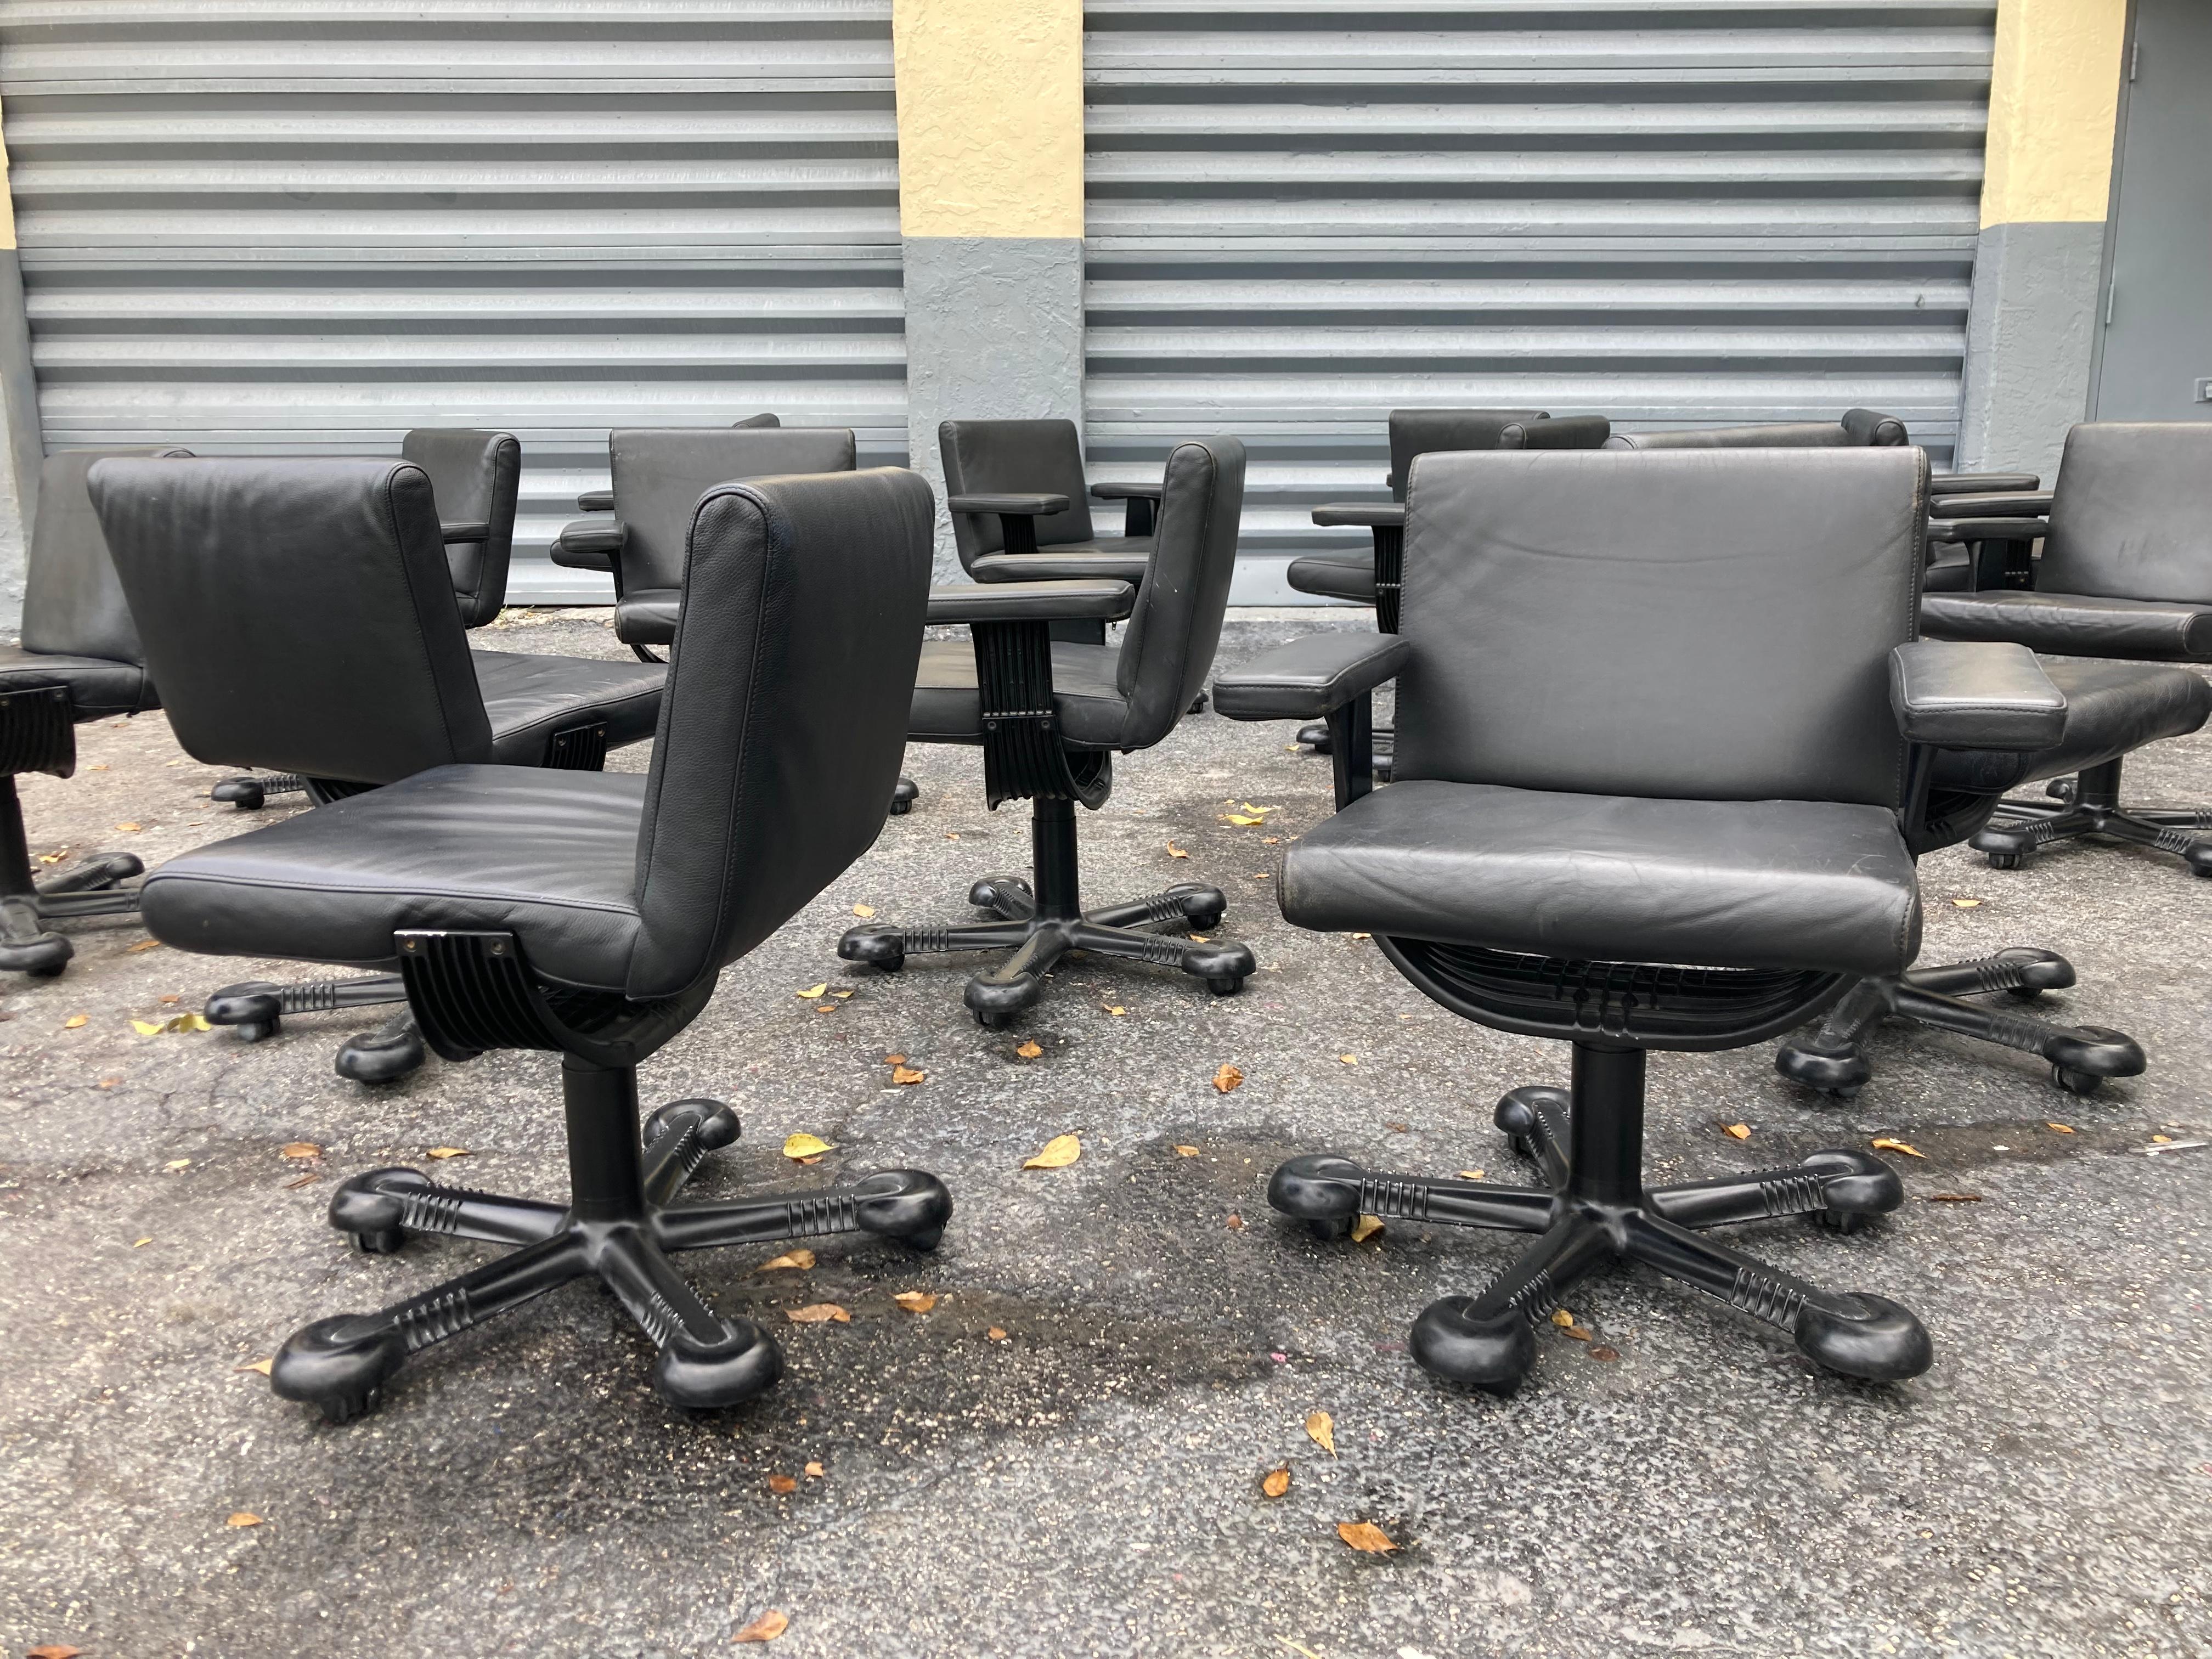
(1235, 1222)
(1175, 852)
(1320, 1429)
(1116, 1011)
(52, 1651)
(1886, 1144)
(780, 1484)
(177, 1164)
(1580, 1333)
(129, 829)
(804, 1146)
(109, 1082)
(1471, 1175)
(916, 1302)
(300, 1149)
(1397, 1128)
(1031, 1050)
(894, 1059)
(2161, 1140)
(864, 911)
(1741, 1131)
(814, 1472)
(1277, 1483)
(1601, 1352)
(903, 1075)
(1365, 1228)
(142, 947)
(261, 1365)
(814, 991)
(75, 1021)
(2060, 1128)
(1954, 1198)
(1349, 1060)
(821, 1313)
(1187, 1151)
(1562, 1318)
(137, 1244)
(449, 1151)
(766, 1628)
(1059, 1152)
(243, 1518)
(1227, 1079)
(1966, 904)
(1365, 1537)
(996, 1334)
(789, 1259)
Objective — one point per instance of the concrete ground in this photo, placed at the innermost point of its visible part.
(1066, 1454)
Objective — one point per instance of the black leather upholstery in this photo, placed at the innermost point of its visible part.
(2112, 709)
(331, 646)
(648, 615)
(75, 621)
(1548, 597)
(660, 473)
(1974, 696)
(1036, 601)
(1559, 432)
(476, 477)
(1102, 558)
(998, 456)
(947, 707)
(2131, 516)
(1416, 431)
(778, 744)
(1308, 677)
(1859, 428)
(2079, 624)
(1334, 576)
(1747, 883)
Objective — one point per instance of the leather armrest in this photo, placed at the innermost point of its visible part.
(477, 531)
(1976, 484)
(1050, 564)
(1022, 505)
(589, 546)
(1974, 695)
(1129, 492)
(989, 601)
(1308, 678)
(1999, 504)
(2074, 624)
(1370, 513)
(1987, 530)
(596, 500)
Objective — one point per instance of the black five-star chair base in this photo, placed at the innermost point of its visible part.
(2081, 1056)
(2090, 805)
(619, 1226)
(1594, 1209)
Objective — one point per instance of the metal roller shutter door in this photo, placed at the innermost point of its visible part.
(304, 226)
(1304, 213)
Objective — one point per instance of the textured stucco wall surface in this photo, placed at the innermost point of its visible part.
(2054, 97)
(990, 117)
(2030, 331)
(994, 330)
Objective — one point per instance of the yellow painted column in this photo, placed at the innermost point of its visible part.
(25, 445)
(990, 130)
(2046, 185)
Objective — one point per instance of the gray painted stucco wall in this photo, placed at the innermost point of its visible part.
(994, 330)
(2031, 332)
(22, 443)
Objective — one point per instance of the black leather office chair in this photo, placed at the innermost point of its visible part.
(1662, 733)
(660, 474)
(1016, 487)
(303, 611)
(589, 915)
(2125, 574)
(476, 477)
(1049, 716)
(80, 660)
(603, 500)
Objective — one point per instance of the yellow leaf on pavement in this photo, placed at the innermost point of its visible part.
(243, 1518)
(995, 1335)
(1966, 904)
(780, 1484)
(141, 947)
(1349, 1060)
(1365, 1228)
(130, 829)
(915, 1302)
(1175, 852)
(75, 1021)
(1365, 1537)
(1277, 1483)
(814, 991)
(1059, 1152)
(800, 1259)
(2060, 1128)
(1320, 1429)
(814, 1472)
(261, 1365)
(1741, 1131)
(1227, 1079)
(864, 911)
(766, 1628)
(1886, 1144)
(450, 1151)
(1111, 1009)
(1187, 1151)
(803, 1145)
(905, 1075)
(1471, 1175)
(1030, 1050)
(300, 1149)
(820, 1313)
(149, 1027)
(176, 1164)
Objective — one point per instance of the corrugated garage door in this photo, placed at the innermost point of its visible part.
(1302, 214)
(303, 225)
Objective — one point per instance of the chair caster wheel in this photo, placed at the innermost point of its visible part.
(708, 1376)
(247, 795)
(1884, 1344)
(339, 1364)
(1314, 736)
(2074, 1082)
(911, 1205)
(991, 1020)
(718, 1124)
(385, 1240)
(33, 948)
(383, 1056)
(2006, 861)
(1493, 1354)
(257, 1030)
(1331, 1229)
(1225, 985)
(877, 945)
(1838, 1221)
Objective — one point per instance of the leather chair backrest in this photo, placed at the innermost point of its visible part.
(475, 476)
(2131, 513)
(1859, 428)
(1033, 458)
(1421, 431)
(73, 606)
(660, 473)
(1676, 625)
(784, 719)
(1167, 649)
(1563, 432)
(297, 614)
(756, 422)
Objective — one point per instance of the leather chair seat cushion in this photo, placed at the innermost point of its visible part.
(2074, 624)
(948, 709)
(647, 615)
(1773, 883)
(1335, 576)
(550, 856)
(97, 686)
(1102, 558)
(2113, 709)
(528, 699)
(1949, 572)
